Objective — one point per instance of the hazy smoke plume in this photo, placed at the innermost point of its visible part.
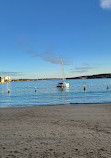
(82, 69)
(49, 57)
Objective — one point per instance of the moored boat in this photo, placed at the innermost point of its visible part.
(63, 84)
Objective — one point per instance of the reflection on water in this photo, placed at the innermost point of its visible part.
(23, 93)
(63, 89)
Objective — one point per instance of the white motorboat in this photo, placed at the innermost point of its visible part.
(63, 84)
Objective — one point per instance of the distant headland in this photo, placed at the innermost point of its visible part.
(8, 79)
(108, 75)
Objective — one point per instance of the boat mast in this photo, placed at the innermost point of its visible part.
(62, 71)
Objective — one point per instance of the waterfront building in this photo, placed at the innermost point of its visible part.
(1, 79)
(7, 78)
(4, 79)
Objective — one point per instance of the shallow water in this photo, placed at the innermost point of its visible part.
(23, 93)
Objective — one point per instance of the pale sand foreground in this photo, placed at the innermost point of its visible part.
(72, 131)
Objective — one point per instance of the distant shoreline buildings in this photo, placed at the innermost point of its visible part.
(5, 79)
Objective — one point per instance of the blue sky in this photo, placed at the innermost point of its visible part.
(36, 34)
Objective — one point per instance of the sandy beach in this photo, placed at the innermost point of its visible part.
(66, 131)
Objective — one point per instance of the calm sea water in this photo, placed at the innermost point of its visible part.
(23, 93)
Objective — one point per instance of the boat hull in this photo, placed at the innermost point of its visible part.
(63, 85)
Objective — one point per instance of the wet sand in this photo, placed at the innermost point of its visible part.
(66, 131)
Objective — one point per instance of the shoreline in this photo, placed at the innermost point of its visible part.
(75, 131)
(71, 104)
